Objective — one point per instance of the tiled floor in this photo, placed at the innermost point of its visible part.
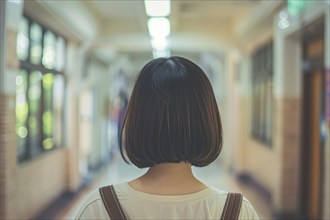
(212, 175)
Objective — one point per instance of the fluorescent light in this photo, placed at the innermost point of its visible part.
(283, 15)
(157, 8)
(161, 53)
(159, 27)
(283, 24)
(159, 43)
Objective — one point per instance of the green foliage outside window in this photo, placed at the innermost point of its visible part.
(22, 111)
(36, 48)
(41, 60)
(23, 40)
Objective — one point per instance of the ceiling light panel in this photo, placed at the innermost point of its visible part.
(159, 27)
(159, 43)
(157, 8)
(161, 53)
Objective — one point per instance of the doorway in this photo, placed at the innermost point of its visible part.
(313, 108)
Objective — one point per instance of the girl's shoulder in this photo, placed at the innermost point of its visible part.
(246, 212)
(92, 207)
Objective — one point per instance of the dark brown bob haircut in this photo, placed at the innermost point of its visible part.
(172, 116)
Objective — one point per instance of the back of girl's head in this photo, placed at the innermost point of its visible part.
(172, 116)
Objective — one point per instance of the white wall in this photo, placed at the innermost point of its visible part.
(99, 84)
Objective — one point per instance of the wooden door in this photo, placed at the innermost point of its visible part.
(315, 151)
(313, 109)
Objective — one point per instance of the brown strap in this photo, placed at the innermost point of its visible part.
(232, 206)
(111, 203)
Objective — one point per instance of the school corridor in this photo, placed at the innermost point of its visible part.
(67, 69)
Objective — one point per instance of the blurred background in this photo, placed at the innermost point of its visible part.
(67, 69)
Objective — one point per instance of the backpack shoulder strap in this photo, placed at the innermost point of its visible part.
(111, 203)
(232, 206)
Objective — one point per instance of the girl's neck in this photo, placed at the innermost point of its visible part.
(168, 179)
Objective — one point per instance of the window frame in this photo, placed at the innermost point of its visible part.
(262, 94)
(30, 68)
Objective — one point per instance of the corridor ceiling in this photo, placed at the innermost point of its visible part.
(121, 25)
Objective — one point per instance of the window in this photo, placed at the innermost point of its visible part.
(262, 94)
(40, 87)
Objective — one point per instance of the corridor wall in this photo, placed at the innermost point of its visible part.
(277, 168)
(28, 187)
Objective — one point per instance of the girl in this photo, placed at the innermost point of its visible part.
(172, 123)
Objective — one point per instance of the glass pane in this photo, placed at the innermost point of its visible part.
(22, 111)
(269, 110)
(258, 107)
(58, 103)
(36, 35)
(22, 46)
(47, 116)
(271, 59)
(254, 109)
(262, 111)
(34, 118)
(49, 50)
(60, 54)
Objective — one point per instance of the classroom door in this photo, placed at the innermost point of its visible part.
(313, 111)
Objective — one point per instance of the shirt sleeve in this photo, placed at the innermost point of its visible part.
(92, 208)
(247, 211)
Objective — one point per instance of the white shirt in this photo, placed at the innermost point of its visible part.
(205, 204)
